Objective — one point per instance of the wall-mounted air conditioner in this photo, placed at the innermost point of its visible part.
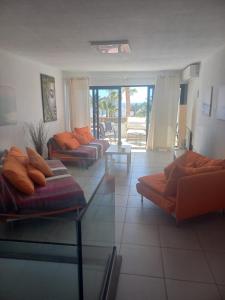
(191, 71)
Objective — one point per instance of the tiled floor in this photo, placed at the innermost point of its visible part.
(160, 260)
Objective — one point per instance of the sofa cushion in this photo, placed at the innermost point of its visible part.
(188, 159)
(18, 154)
(35, 175)
(16, 174)
(200, 161)
(72, 143)
(180, 171)
(82, 139)
(63, 138)
(38, 162)
(157, 182)
(166, 203)
(215, 162)
(85, 132)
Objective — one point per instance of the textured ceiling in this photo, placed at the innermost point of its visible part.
(163, 34)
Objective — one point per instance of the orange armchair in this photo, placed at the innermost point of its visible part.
(187, 192)
(200, 194)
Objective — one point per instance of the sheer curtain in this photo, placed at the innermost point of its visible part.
(79, 103)
(162, 130)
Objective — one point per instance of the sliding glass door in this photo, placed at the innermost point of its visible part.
(105, 113)
(121, 114)
(136, 107)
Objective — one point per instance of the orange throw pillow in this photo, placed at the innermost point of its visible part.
(37, 161)
(188, 159)
(17, 175)
(62, 138)
(18, 154)
(37, 176)
(201, 161)
(85, 131)
(82, 139)
(72, 144)
(215, 162)
(180, 171)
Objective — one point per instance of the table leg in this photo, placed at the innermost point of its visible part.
(106, 163)
(128, 162)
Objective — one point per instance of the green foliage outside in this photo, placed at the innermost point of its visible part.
(108, 105)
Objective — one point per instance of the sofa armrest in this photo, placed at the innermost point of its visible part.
(199, 194)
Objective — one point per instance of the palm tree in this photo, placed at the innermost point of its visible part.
(109, 104)
(129, 91)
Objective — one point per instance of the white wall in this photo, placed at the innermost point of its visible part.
(24, 76)
(192, 98)
(120, 78)
(209, 133)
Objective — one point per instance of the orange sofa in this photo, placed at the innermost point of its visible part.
(192, 185)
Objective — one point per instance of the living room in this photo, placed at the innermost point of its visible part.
(170, 44)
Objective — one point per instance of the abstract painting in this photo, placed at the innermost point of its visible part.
(8, 109)
(207, 101)
(220, 113)
(48, 98)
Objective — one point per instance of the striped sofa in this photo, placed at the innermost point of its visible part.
(85, 155)
(61, 194)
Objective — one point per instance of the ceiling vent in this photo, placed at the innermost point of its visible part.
(191, 71)
(111, 47)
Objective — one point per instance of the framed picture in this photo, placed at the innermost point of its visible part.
(48, 98)
(207, 102)
(220, 112)
(8, 109)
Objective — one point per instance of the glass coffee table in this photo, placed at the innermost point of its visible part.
(118, 150)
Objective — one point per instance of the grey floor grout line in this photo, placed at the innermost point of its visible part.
(162, 262)
(171, 278)
(208, 264)
(123, 223)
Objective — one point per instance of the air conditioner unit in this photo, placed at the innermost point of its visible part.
(191, 71)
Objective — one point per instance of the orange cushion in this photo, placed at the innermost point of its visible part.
(72, 144)
(82, 139)
(157, 182)
(85, 132)
(37, 176)
(82, 130)
(188, 159)
(215, 162)
(200, 161)
(63, 138)
(180, 171)
(37, 161)
(17, 175)
(18, 154)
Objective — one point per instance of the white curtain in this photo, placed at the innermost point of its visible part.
(163, 119)
(67, 104)
(79, 103)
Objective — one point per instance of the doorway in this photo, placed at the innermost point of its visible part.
(121, 114)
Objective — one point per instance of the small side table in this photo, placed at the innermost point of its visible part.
(118, 150)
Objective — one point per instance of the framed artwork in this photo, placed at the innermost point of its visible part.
(220, 112)
(207, 102)
(8, 109)
(48, 98)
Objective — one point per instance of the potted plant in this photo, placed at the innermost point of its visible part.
(38, 135)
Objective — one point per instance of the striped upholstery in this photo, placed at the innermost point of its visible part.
(84, 155)
(60, 192)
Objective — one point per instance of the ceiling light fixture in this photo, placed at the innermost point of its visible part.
(111, 47)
